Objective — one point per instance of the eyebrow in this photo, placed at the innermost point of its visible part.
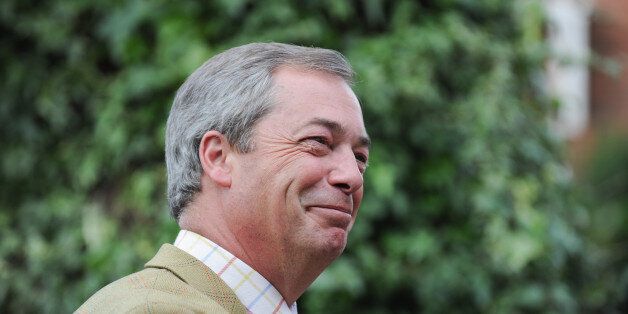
(335, 127)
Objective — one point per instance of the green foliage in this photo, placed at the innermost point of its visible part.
(605, 184)
(468, 207)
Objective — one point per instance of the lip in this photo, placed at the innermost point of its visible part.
(342, 209)
(331, 216)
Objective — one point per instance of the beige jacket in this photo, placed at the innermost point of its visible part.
(172, 282)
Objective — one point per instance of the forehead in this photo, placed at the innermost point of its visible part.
(302, 96)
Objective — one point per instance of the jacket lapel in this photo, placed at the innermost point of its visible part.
(196, 274)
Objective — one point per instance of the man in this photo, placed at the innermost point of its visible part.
(265, 150)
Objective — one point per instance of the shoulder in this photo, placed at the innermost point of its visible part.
(150, 290)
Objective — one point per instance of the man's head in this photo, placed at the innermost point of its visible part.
(266, 148)
(229, 94)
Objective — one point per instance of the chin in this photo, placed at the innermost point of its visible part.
(336, 242)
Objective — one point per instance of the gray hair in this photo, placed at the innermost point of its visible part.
(229, 93)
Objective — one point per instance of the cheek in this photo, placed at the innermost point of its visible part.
(305, 169)
(314, 170)
(357, 200)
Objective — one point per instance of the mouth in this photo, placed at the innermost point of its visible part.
(341, 209)
(332, 215)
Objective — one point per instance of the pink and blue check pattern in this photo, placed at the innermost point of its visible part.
(253, 290)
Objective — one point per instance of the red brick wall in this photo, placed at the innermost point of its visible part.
(609, 92)
(609, 38)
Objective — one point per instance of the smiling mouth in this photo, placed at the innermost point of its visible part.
(341, 209)
(333, 215)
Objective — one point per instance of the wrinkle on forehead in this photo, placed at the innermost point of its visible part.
(283, 89)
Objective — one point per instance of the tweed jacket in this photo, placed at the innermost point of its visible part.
(172, 281)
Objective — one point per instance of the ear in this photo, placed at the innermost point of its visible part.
(212, 152)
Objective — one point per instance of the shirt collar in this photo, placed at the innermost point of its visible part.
(252, 289)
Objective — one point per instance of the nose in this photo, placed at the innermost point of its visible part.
(345, 174)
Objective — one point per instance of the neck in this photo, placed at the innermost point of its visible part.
(290, 271)
(291, 275)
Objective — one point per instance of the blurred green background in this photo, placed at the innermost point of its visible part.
(469, 205)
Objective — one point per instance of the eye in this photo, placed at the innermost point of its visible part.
(317, 145)
(362, 161)
(321, 140)
(361, 158)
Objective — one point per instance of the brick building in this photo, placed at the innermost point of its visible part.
(592, 79)
(609, 89)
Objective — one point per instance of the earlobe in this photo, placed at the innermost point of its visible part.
(212, 152)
